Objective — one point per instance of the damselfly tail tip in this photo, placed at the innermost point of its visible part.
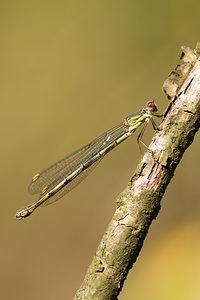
(18, 217)
(23, 213)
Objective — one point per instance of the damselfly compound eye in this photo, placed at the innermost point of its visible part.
(152, 106)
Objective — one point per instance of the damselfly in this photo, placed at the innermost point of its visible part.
(60, 178)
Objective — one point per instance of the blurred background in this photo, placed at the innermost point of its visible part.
(71, 70)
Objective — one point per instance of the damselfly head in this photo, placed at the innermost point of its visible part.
(152, 107)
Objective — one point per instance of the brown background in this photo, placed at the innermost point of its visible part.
(71, 70)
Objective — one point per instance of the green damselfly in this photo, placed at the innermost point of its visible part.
(60, 178)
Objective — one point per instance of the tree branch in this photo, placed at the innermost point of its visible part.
(139, 203)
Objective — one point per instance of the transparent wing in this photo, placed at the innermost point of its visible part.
(72, 184)
(56, 172)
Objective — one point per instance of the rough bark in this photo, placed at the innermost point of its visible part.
(139, 204)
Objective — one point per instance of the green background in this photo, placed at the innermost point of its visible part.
(71, 70)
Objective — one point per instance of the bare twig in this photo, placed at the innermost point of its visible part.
(139, 203)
